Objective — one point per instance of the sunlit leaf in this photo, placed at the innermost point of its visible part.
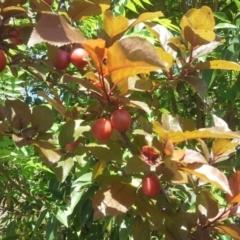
(63, 168)
(54, 30)
(112, 201)
(170, 122)
(98, 169)
(168, 58)
(163, 34)
(138, 84)
(96, 51)
(218, 64)
(146, 16)
(220, 146)
(198, 25)
(195, 37)
(114, 25)
(141, 105)
(80, 9)
(209, 174)
(192, 156)
(177, 136)
(131, 56)
(205, 49)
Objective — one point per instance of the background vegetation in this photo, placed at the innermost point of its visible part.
(173, 66)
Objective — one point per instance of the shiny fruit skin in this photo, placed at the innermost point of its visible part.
(77, 57)
(16, 37)
(121, 120)
(63, 60)
(3, 61)
(151, 186)
(102, 129)
(49, 2)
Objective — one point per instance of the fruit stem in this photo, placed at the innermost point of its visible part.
(100, 75)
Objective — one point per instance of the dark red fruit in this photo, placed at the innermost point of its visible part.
(63, 60)
(15, 37)
(78, 56)
(151, 186)
(102, 129)
(3, 61)
(121, 120)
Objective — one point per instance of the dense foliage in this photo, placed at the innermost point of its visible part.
(119, 119)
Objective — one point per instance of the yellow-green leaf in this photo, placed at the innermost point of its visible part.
(131, 56)
(218, 64)
(114, 25)
(220, 146)
(98, 169)
(80, 9)
(178, 136)
(146, 16)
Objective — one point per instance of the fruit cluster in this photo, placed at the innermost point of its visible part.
(77, 57)
(120, 120)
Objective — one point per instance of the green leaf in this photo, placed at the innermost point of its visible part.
(42, 118)
(225, 26)
(62, 216)
(130, 5)
(51, 228)
(221, 16)
(10, 230)
(40, 219)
